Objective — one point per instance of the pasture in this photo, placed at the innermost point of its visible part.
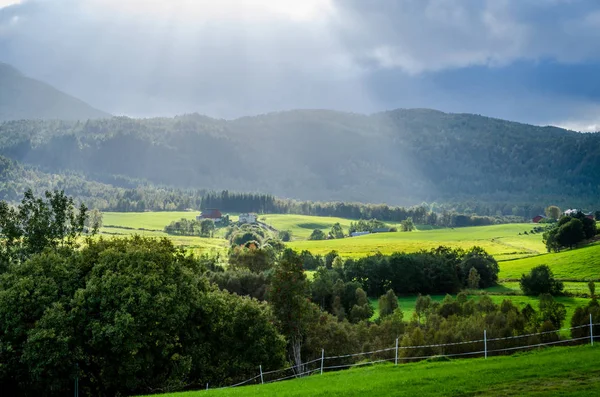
(565, 371)
(151, 224)
(501, 241)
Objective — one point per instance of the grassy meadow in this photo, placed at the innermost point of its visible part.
(502, 241)
(152, 224)
(565, 371)
(516, 252)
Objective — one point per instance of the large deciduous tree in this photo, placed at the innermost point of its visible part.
(288, 296)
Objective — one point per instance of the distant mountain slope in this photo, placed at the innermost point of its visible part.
(24, 98)
(403, 157)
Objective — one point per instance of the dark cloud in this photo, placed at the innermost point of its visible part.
(505, 58)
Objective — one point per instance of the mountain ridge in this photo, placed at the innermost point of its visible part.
(24, 98)
(400, 157)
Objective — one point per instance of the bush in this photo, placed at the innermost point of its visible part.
(540, 280)
(317, 234)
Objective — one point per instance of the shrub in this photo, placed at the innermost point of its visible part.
(540, 280)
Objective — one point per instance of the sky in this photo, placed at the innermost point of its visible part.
(533, 61)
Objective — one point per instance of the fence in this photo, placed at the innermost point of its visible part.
(482, 347)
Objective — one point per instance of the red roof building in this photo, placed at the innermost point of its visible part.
(538, 218)
(211, 213)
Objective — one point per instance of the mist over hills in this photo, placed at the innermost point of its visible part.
(24, 98)
(402, 157)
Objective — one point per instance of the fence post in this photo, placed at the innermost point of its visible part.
(207, 386)
(322, 359)
(485, 342)
(261, 375)
(591, 331)
(396, 351)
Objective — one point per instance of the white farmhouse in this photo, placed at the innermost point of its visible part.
(247, 218)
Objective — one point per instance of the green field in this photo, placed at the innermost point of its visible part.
(302, 226)
(502, 241)
(516, 253)
(577, 264)
(565, 371)
(151, 224)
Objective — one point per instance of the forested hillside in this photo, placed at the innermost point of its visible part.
(398, 157)
(25, 98)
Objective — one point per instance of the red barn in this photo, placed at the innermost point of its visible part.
(211, 213)
(538, 218)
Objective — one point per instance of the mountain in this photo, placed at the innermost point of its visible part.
(24, 98)
(403, 157)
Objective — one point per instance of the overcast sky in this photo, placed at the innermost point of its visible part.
(535, 61)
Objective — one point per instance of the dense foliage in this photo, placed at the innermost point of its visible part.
(569, 231)
(540, 280)
(126, 316)
(191, 227)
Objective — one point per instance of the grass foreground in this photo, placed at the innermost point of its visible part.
(564, 371)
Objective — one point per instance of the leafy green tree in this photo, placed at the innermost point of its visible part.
(39, 223)
(597, 215)
(552, 311)
(253, 258)
(592, 288)
(589, 225)
(317, 234)
(549, 238)
(329, 258)
(362, 310)
(387, 304)
(473, 280)
(407, 225)
(207, 227)
(540, 280)
(485, 264)
(285, 235)
(337, 231)
(422, 304)
(553, 212)
(94, 220)
(288, 296)
(571, 233)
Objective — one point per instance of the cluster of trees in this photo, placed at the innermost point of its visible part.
(191, 227)
(366, 225)
(569, 231)
(440, 270)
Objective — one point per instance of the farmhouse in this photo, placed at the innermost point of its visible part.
(538, 218)
(210, 213)
(247, 218)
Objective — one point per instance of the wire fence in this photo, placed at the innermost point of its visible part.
(399, 354)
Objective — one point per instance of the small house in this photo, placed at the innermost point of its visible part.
(247, 218)
(538, 218)
(210, 213)
(591, 216)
